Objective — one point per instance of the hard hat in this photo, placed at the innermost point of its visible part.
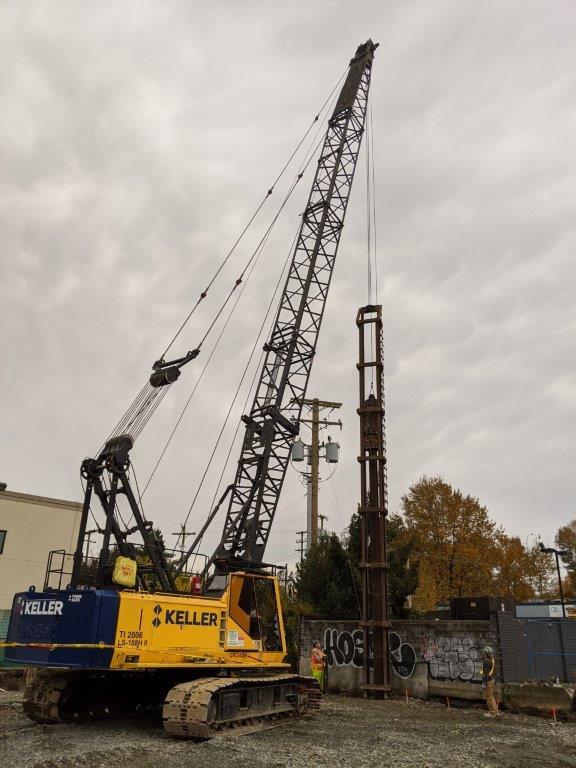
(488, 650)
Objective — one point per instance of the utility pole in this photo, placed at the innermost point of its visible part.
(300, 543)
(89, 542)
(182, 534)
(322, 518)
(316, 407)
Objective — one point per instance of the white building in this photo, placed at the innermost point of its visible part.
(30, 528)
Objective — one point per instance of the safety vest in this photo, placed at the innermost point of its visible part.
(492, 668)
(317, 661)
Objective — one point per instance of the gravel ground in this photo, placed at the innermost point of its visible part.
(348, 732)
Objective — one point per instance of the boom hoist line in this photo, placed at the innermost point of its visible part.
(273, 421)
(106, 476)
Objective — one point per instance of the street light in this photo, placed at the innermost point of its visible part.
(558, 553)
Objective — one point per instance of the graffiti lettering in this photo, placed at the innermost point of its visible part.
(343, 647)
(402, 656)
(453, 658)
(448, 657)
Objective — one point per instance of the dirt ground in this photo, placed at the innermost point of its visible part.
(348, 732)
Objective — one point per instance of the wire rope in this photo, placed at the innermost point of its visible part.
(352, 576)
(211, 355)
(255, 256)
(230, 448)
(250, 264)
(149, 398)
(375, 229)
(246, 367)
(368, 216)
(223, 263)
(369, 240)
(306, 161)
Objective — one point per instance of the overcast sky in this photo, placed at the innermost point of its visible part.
(137, 137)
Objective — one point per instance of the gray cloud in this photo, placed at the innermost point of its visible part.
(137, 137)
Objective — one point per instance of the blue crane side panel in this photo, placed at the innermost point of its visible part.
(66, 617)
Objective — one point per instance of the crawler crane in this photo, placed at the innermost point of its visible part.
(139, 637)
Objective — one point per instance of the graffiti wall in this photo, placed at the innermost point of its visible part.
(453, 657)
(421, 652)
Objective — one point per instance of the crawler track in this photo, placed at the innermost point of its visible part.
(202, 709)
(43, 698)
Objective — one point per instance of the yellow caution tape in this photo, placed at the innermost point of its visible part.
(53, 646)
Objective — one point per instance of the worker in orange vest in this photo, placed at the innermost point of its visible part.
(488, 680)
(318, 663)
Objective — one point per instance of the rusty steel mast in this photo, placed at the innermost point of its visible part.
(373, 506)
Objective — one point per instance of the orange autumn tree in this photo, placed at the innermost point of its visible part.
(453, 534)
(462, 552)
(521, 572)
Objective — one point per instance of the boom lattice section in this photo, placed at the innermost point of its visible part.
(274, 417)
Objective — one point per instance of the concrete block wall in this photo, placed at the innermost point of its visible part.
(427, 658)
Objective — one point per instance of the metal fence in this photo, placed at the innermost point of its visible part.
(537, 650)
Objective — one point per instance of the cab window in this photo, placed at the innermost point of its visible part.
(253, 607)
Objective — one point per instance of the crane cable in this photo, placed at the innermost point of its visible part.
(258, 250)
(251, 264)
(371, 231)
(304, 165)
(204, 293)
(227, 459)
(149, 398)
(141, 398)
(368, 216)
(235, 396)
(352, 575)
(311, 153)
(375, 239)
(197, 382)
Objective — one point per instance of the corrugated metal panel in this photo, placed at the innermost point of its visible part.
(4, 621)
(551, 649)
(568, 638)
(513, 648)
